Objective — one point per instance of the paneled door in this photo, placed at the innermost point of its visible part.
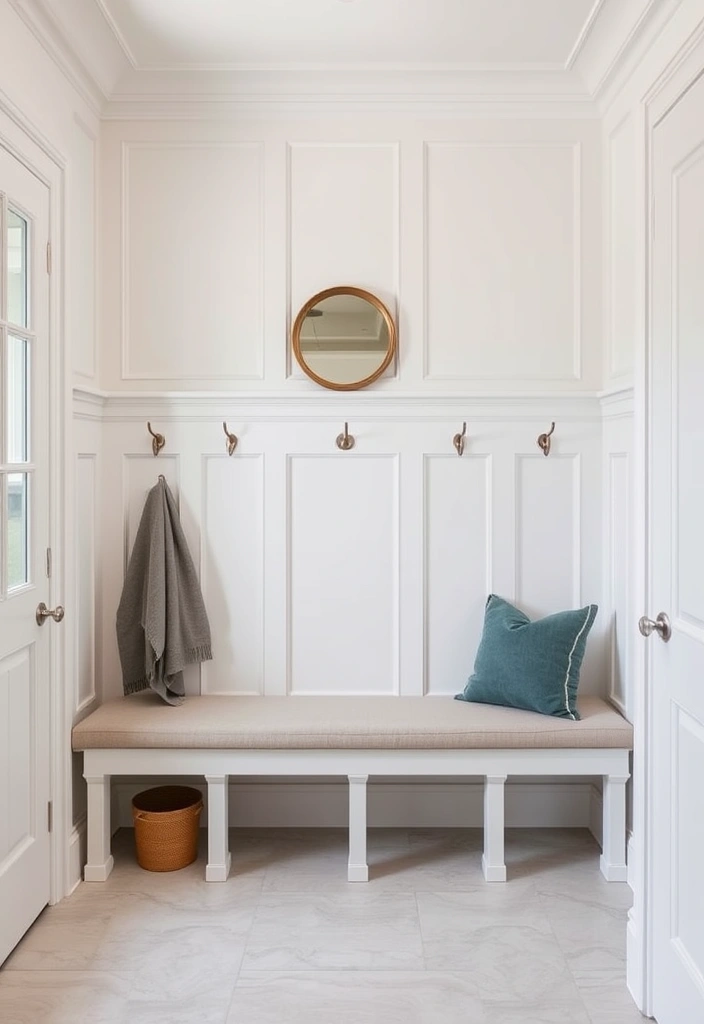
(676, 659)
(24, 530)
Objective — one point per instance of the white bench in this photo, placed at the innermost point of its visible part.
(220, 737)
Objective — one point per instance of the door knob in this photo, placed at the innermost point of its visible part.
(661, 626)
(44, 613)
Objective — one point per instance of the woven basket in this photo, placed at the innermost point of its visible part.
(166, 821)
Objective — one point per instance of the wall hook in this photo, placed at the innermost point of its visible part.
(231, 439)
(544, 440)
(158, 441)
(458, 440)
(344, 441)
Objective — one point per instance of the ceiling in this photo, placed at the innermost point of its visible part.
(276, 34)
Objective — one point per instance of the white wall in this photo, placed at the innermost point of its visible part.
(360, 572)
(482, 235)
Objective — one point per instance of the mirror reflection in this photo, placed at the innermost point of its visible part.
(344, 338)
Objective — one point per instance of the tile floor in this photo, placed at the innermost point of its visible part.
(287, 941)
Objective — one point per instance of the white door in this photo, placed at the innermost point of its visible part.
(677, 561)
(24, 518)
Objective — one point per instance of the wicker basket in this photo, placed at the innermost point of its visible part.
(166, 821)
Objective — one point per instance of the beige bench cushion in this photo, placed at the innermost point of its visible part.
(342, 723)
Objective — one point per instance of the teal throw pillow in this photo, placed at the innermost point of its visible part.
(530, 665)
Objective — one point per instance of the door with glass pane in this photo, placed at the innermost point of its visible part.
(24, 530)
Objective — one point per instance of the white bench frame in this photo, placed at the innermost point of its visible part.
(218, 766)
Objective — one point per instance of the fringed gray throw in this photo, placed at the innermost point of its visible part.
(162, 624)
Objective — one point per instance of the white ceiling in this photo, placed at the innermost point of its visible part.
(210, 34)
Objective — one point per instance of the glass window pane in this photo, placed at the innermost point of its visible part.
(17, 398)
(17, 280)
(17, 530)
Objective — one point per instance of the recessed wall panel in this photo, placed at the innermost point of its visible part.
(83, 261)
(547, 533)
(343, 575)
(622, 235)
(192, 261)
(343, 219)
(502, 254)
(232, 573)
(619, 563)
(457, 566)
(85, 578)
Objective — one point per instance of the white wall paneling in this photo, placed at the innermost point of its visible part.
(364, 571)
(232, 571)
(621, 238)
(458, 564)
(343, 586)
(503, 260)
(83, 255)
(344, 220)
(86, 523)
(192, 248)
(483, 236)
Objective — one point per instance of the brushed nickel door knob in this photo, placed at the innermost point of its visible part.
(44, 613)
(661, 626)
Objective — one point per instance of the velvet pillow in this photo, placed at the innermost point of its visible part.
(530, 665)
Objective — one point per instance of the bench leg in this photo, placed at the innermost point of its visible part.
(100, 862)
(218, 867)
(357, 870)
(493, 864)
(613, 846)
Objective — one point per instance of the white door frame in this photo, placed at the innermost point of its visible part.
(28, 145)
(676, 78)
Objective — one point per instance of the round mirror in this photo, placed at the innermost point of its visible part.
(344, 338)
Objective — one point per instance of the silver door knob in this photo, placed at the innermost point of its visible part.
(44, 613)
(661, 626)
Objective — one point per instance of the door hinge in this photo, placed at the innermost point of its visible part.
(48, 563)
(48, 257)
(50, 817)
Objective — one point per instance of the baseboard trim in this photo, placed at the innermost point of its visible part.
(77, 853)
(390, 805)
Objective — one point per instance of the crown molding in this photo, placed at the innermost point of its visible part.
(83, 39)
(38, 18)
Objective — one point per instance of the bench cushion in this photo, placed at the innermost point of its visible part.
(342, 723)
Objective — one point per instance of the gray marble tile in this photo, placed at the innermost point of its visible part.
(175, 952)
(63, 997)
(357, 930)
(591, 933)
(547, 1011)
(65, 937)
(354, 997)
(606, 996)
(503, 942)
(196, 1010)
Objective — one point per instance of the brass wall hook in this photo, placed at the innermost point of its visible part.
(344, 441)
(158, 441)
(231, 439)
(544, 440)
(458, 440)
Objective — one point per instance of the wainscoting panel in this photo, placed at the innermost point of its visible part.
(192, 260)
(232, 572)
(458, 561)
(86, 523)
(503, 260)
(548, 531)
(343, 587)
(343, 219)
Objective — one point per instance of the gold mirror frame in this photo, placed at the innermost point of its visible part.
(360, 293)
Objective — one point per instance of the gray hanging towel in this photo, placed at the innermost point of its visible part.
(162, 624)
